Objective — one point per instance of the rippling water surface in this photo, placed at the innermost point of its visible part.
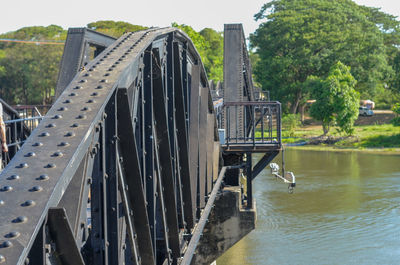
(344, 210)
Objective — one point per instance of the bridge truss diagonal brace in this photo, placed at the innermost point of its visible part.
(62, 234)
(133, 177)
(162, 142)
(262, 163)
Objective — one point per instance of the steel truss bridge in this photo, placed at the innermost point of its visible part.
(127, 164)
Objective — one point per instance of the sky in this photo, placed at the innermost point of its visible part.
(199, 14)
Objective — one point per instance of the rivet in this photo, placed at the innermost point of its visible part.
(6, 244)
(58, 154)
(107, 74)
(99, 87)
(50, 165)
(94, 66)
(1, 202)
(23, 165)
(38, 144)
(44, 134)
(62, 109)
(57, 116)
(2, 259)
(12, 234)
(43, 177)
(87, 74)
(94, 94)
(63, 144)
(67, 101)
(75, 125)
(30, 154)
(83, 81)
(101, 59)
(70, 134)
(28, 203)
(103, 81)
(120, 59)
(73, 94)
(36, 189)
(110, 69)
(13, 177)
(81, 116)
(86, 109)
(91, 69)
(20, 219)
(91, 101)
(114, 65)
(50, 125)
(6, 188)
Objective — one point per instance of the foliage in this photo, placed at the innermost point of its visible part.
(289, 123)
(209, 43)
(2, 69)
(214, 54)
(114, 28)
(28, 72)
(52, 32)
(303, 38)
(336, 99)
(396, 110)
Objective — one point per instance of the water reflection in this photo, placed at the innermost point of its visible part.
(345, 210)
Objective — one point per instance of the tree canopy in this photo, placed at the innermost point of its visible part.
(336, 99)
(210, 45)
(302, 38)
(28, 72)
(114, 28)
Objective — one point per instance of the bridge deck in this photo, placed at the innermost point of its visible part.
(256, 147)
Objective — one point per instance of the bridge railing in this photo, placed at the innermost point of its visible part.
(261, 125)
(17, 131)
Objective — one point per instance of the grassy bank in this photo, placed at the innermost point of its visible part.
(376, 138)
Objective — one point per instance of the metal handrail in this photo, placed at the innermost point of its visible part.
(261, 123)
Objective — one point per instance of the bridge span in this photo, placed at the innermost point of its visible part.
(140, 160)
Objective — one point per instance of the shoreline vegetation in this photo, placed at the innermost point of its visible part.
(379, 137)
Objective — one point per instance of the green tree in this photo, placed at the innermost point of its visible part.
(214, 53)
(30, 73)
(336, 99)
(2, 69)
(114, 28)
(52, 32)
(209, 43)
(303, 38)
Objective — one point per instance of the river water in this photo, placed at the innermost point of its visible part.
(344, 210)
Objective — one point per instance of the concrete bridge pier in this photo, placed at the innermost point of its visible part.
(228, 222)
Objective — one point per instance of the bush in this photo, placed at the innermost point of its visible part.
(396, 109)
(396, 121)
(289, 123)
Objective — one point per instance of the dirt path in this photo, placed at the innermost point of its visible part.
(379, 117)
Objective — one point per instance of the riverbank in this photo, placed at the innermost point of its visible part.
(331, 148)
(379, 137)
